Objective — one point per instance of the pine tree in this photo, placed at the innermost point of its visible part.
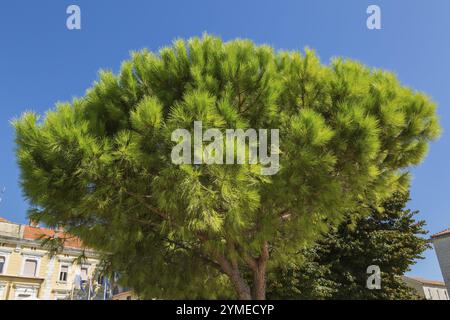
(335, 267)
(100, 165)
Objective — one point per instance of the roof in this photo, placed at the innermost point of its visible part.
(442, 233)
(36, 233)
(427, 281)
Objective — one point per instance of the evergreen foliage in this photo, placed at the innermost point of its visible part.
(100, 166)
(335, 267)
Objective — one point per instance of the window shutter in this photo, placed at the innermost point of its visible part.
(84, 274)
(30, 268)
(63, 273)
(2, 264)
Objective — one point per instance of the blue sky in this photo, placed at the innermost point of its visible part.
(41, 62)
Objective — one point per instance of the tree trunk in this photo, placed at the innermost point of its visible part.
(259, 274)
(241, 287)
(259, 285)
(258, 266)
(232, 271)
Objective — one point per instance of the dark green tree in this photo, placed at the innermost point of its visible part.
(101, 166)
(335, 267)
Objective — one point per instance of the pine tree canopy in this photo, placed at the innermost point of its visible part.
(101, 165)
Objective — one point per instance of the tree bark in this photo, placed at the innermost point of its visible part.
(258, 267)
(259, 285)
(241, 287)
(259, 274)
(232, 271)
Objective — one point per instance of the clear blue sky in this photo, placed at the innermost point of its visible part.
(41, 62)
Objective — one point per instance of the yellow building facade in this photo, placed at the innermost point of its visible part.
(28, 272)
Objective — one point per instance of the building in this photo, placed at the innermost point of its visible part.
(441, 243)
(125, 295)
(427, 289)
(28, 272)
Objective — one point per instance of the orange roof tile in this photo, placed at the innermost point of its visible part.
(444, 232)
(36, 233)
(426, 281)
(3, 220)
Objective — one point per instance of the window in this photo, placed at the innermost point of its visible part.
(62, 297)
(100, 279)
(84, 274)
(2, 264)
(27, 292)
(64, 271)
(30, 267)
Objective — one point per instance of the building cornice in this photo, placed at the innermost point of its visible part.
(36, 243)
(443, 234)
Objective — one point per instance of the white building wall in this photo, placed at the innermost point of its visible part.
(3, 286)
(442, 247)
(9, 229)
(435, 293)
